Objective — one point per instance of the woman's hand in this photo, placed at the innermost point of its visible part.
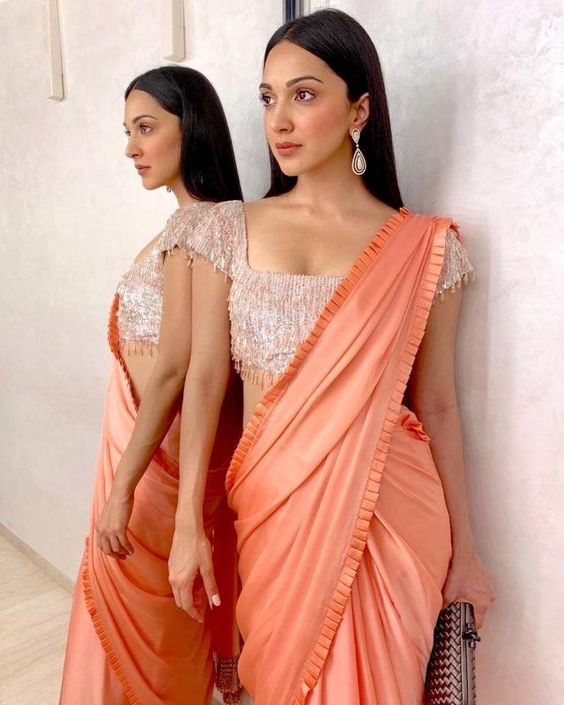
(468, 581)
(111, 526)
(191, 556)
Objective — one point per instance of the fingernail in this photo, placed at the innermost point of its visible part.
(216, 600)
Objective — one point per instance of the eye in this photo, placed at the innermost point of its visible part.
(304, 94)
(266, 99)
(127, 133)
(144, 128)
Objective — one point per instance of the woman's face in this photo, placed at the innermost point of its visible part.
(154, 140)
(307, 114)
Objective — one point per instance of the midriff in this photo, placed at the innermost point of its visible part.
(252, 394)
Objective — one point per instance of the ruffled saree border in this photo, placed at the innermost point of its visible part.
(339, 296)
(171, 468)
(316, 658)
(226, 679)
(111, 656)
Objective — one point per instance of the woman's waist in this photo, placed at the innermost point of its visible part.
(409, 422)
(257, 381)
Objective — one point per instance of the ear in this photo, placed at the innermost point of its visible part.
(361, 111)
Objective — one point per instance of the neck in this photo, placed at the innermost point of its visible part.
(330, 185)
(182, 196)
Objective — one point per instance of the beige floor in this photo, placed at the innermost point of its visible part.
(33, 623)
(34, 612)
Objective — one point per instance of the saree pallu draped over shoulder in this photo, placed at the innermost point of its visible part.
(128, 642)
(329, 470)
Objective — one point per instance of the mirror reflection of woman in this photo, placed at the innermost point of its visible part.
(348, 482)
(128, 641)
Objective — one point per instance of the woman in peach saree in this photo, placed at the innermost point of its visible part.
(128, 642)
(352, 526)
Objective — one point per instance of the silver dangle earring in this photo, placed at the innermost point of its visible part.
(358, 160)
(168, 189)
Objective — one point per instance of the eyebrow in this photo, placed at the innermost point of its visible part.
(139, 117)
(292, 81)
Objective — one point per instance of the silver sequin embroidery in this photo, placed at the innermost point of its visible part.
(141, 300)
(140, 289)
(272, 313)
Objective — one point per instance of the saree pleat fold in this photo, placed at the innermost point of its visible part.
(337, 495)
(128, 642)
(382, 645)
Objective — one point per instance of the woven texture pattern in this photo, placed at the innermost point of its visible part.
(451, 674)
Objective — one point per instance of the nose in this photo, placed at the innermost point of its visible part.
(279, 116)
(132, 149)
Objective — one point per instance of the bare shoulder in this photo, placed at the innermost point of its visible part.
(260, 215)
(264, 207)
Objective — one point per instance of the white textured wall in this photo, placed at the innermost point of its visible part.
(476, 92)
(473, 91)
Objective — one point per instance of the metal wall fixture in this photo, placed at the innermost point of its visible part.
(293, 9)
(299, 8)
(56, 80)
(173, 43)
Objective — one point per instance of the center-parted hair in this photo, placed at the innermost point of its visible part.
(345, 46)
(207, 161)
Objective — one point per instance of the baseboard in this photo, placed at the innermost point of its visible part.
(43, 564)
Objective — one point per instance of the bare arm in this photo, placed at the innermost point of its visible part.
(205, 386)
(433, 398)
(161, 396)
(204, 391)
(157, 409)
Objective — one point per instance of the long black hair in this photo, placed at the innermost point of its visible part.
(207, 160)
(341, 42)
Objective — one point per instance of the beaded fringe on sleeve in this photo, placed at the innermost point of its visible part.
(457, 269)
(208, 235)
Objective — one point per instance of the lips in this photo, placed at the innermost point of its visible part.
(287, 148)
(141, 169)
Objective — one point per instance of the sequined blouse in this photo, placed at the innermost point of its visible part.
(272, 313)
(140, 289)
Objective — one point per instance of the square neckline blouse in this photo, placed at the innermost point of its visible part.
(401, 213)
(273, 312)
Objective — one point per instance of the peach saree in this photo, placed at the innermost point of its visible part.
(343, 531)
(128, 642)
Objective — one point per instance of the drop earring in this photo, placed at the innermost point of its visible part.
(358, 160)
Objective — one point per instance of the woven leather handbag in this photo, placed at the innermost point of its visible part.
(451, 673)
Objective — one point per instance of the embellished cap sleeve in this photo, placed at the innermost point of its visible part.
(457, 268)
(181, 224)
(211, 233)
